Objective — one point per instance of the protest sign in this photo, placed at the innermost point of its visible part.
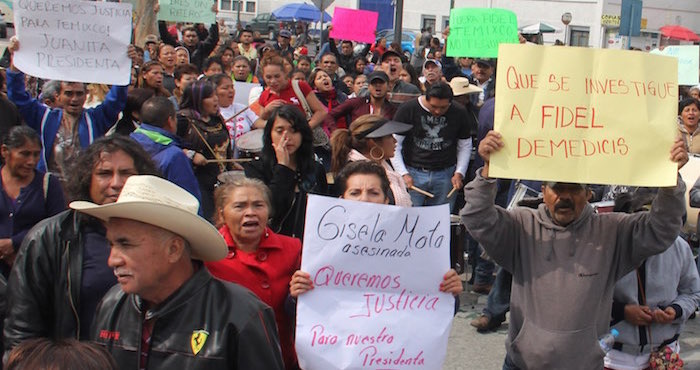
(243, 92)
(376, 271)
(688, 61)
(195, 11)
(355, 25)
(82, 41)
(583, 115)
(477, 32)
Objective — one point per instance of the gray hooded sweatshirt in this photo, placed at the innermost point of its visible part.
(563, 277)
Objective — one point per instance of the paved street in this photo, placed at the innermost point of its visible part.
(469, 350)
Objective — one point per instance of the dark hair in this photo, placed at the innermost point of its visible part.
(396, 46)
(414, 75)
(304, 155)
(78, 186)
(217, 78)
(156, 111)
(312, 77)
(134, 101)
(362, 168)
(345, 140)
(185, 69)
(248, 30)
(304, 57)
(211, 61)
(346, 42)
(686, 102)
(61, 354)
(328, 53)
(238, 58)
(189, 28)
(439, 90)
(193, 95)
(161, 91)
(19, 135)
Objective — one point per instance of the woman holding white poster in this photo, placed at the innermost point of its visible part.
(366, 181)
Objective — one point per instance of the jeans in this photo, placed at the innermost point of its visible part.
(498, 301)
(508, 364)
(483, 269)
(438, 183)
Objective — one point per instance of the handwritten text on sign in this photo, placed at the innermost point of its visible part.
(476, 32)
(585, 115)
(82, 41)
(376, 271)
(688, 61)
(195, 11)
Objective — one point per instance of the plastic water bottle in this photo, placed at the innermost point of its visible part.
(606, 341)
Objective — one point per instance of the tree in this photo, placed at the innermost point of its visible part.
(144, 18)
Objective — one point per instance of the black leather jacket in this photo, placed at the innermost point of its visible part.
(241, 331)
(44, 285)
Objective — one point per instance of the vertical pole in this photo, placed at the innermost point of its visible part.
(238, 11)
(398, 20)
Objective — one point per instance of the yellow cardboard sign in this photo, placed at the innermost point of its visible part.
(594, 116)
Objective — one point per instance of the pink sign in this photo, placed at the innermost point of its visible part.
(355, 25)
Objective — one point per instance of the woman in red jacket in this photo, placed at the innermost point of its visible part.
(258, 259)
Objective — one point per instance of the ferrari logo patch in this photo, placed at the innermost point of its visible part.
(199, 337)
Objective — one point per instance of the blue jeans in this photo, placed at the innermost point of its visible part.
(482, 269)
(508, 364)
(438, 183)
(498, 301)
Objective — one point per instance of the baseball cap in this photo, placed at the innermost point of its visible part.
(286, 34)
(432, 61)
(378, 75)
(486, 62)
(390, 53)
(383, 128)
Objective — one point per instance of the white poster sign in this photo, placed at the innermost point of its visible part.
(82, 41)
(688, 61)
(376, 302)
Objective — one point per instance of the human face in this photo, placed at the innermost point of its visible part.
(299, 76)
(304, 65)
(346, 48)
(214, 68)
(225, 92)
(438, 107)
(241, 70)
(283, 41)
(190, 38)
(322, 82)
(404, 76)
(245, 213)
(109, 175)
(388, 146)
(695, 93)
(565, 202)
(227, 57)
(22, 160)
(167, 56)
(690, 116)
(432, 73)
(185, 80)
(360, 82)
(281, 128)
(72, 97)
(140, 258)
(329, 64)
(246, 38)
(360, 66)
(481, 72)
(154, 77)
(392, 66)
(210, 105)
(378, 89)
(349, 81)
(182, 57)
(365, 188)
(275, 78)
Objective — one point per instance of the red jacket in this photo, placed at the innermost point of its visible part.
(267, 273)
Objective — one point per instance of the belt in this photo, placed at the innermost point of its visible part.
(427, 169)
(635, 349)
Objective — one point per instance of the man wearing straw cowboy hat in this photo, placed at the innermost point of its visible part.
(168, 312)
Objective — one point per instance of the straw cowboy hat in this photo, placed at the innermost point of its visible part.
(461, 86)
(158, 202)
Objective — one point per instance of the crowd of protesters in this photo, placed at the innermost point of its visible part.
(362, 122)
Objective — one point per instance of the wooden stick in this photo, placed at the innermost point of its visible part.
(451, 192)
(229, 160)
(421, 191)
(236, 115)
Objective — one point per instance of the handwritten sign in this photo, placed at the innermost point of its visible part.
(82, 41)
(477, 32)
(195, 11)
(585, 115)
(376, 272)
(688, 61)
(355, 25)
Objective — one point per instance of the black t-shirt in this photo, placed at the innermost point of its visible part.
(432, 142)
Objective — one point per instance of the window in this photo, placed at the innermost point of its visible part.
(226, 5)
(250, 7)
(578, 37)
(428, 21)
